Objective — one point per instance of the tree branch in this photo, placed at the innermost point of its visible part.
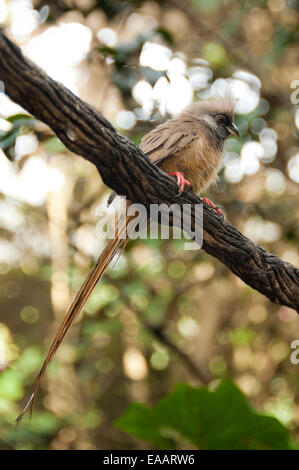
(124, 168)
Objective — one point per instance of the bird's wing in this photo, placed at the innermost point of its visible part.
(167, 139)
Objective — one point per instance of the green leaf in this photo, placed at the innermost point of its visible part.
(54, 145)
(220, 419)
(144, 423)
(20, 123)
(19, 120)
(8, 140)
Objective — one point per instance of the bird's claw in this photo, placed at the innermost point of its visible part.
(211, 204)
(182, 182)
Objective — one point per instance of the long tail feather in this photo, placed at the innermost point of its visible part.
(120, 238)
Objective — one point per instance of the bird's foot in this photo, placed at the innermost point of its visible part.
(182, 182)
(211, 204)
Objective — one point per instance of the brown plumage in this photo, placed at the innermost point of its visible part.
(190, 143)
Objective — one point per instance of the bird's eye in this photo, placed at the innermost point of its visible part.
(220, 119)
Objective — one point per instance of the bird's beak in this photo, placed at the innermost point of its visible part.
(232, 128)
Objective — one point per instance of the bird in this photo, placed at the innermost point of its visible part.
(189, 147)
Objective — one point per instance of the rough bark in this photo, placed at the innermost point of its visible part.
(124, 168)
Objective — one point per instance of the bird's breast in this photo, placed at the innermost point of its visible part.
(198, 163)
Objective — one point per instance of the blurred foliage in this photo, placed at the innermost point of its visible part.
(219, 419)
(20, 124)
(162, 315)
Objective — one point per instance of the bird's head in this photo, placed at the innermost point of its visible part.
(217, 115)
(224, 125)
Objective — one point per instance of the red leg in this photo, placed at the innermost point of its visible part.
(211, 203)
(180, 180)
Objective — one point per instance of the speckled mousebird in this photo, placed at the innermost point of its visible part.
(189, 147)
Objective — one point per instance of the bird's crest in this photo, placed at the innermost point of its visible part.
(217, 105)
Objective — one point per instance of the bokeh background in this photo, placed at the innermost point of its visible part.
(161, 315)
